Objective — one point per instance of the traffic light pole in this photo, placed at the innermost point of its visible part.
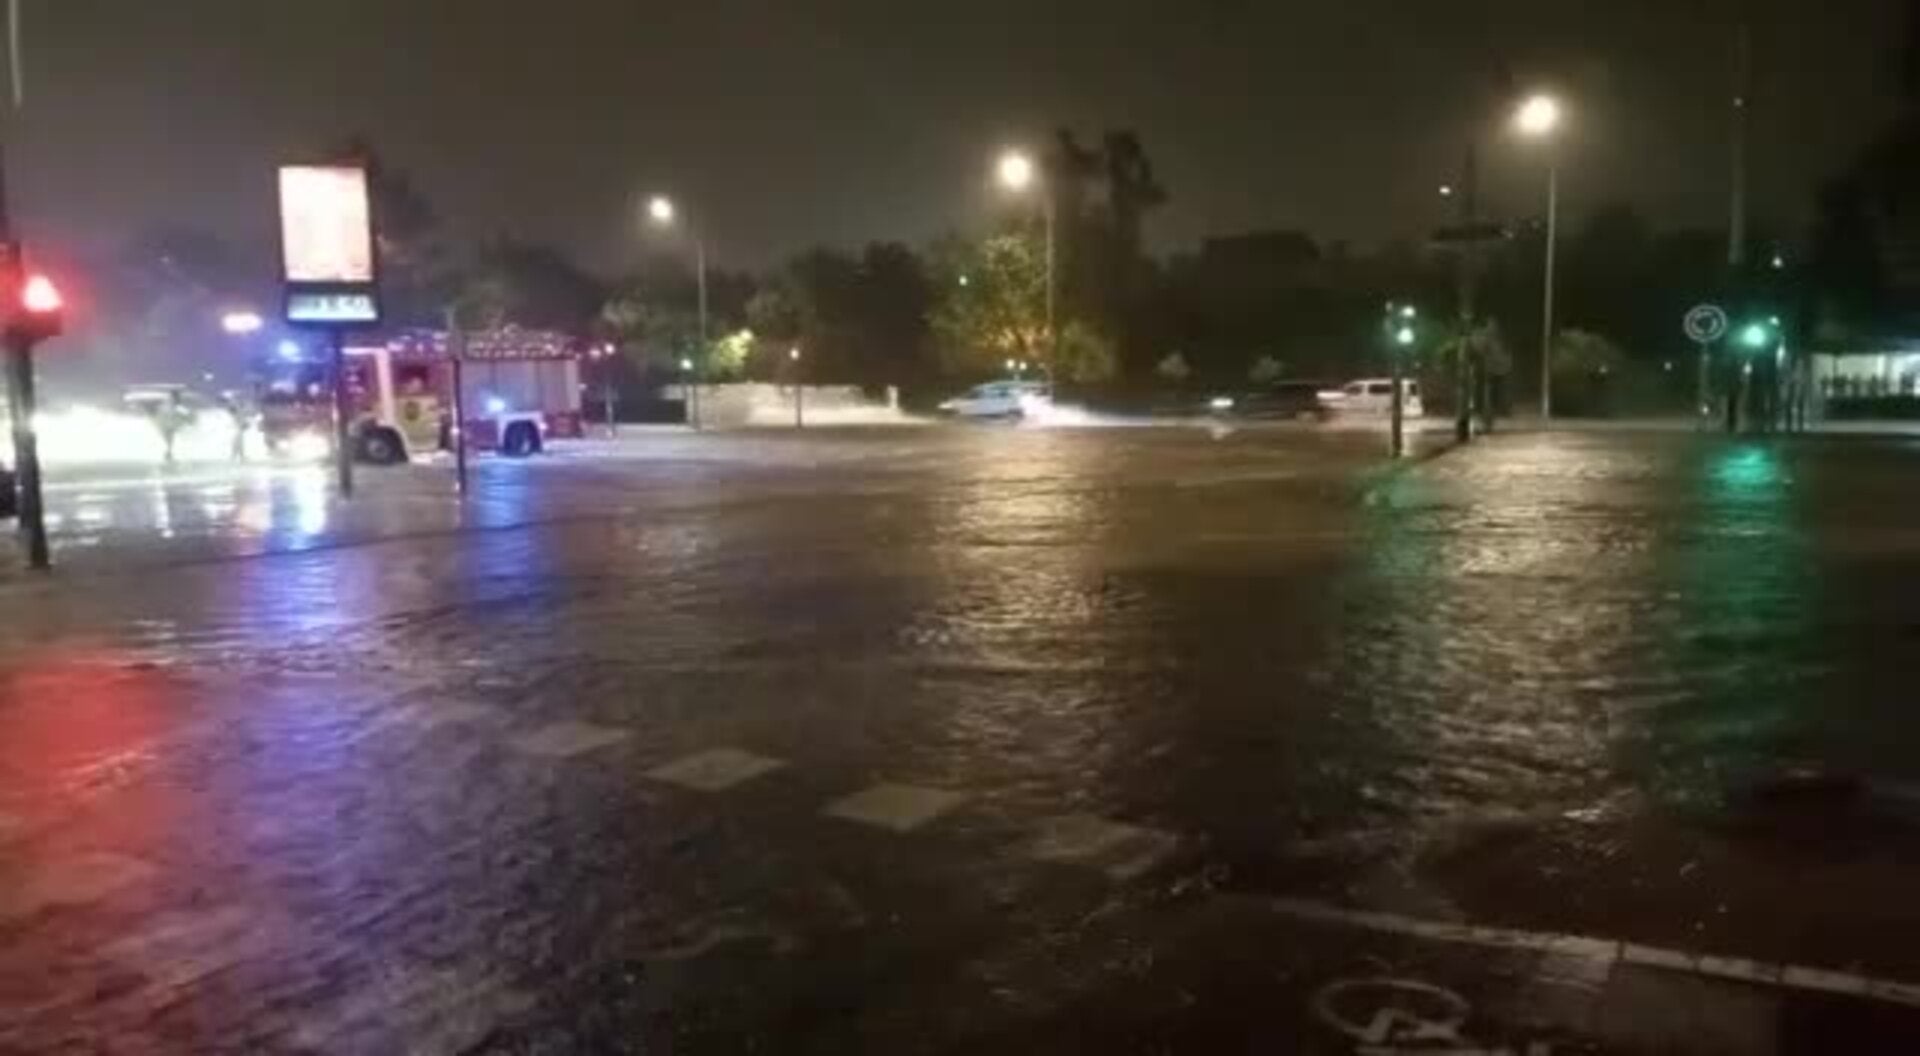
(26, 449)
(342, 423)
(1399, 444)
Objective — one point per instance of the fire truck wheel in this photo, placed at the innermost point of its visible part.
(521, 440)
(382, 447)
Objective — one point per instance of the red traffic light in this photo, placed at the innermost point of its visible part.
(40, 296)
(37, 314)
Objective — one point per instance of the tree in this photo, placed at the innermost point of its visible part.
(417, 270)
(1266, 370)
(651, 330)
(993, 302)
(527, 285)
(1173, 367)
(1086, 355)
(860, 318)
(728, 359)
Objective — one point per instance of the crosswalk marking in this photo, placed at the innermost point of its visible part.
(567, 739)
(716, 770)
(1119, 850)
(901, 808)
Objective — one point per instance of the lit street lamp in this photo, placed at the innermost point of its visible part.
(1017, 173)
(1538, 118)
(793, 357)
(241, 322)
(661, 211)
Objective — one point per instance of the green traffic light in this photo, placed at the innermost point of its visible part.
(1756, 335)
(1404, 335)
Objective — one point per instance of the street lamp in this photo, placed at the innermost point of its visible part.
(793, 357)
(241, 322)
(1017, 173)
(661, 211)
(1539, 118)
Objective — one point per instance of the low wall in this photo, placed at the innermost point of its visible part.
(746, 404)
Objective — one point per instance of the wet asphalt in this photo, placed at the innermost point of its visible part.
(966, 740)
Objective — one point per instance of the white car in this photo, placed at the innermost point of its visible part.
(1001, 399)
(1372, 397)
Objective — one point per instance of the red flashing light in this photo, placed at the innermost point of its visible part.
(40, 295)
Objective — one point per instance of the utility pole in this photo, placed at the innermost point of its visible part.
(1737, 176)
(20, 388)
(1466, 278)
(1736, 371)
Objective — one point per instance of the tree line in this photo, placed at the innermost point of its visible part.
(1248, 309)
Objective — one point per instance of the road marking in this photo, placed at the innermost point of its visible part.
(1609, 951)
(564, 740)
(901, 808)
(1119, 850)
(716, 770)
(76, 881)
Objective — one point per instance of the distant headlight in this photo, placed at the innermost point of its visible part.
(1221, 403)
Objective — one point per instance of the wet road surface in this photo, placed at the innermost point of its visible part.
(954, 740)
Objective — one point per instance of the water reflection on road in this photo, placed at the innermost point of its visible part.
(1534, 681)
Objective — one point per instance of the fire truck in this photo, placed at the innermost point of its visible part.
(519, 389)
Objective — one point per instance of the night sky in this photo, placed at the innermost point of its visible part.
(780, 125)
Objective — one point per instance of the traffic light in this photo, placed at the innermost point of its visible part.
(1399, 324)
(39, 312)
(1760, 334)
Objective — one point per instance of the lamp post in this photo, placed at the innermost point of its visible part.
(1017, 173)
(1538, 118)
(661, 211)
(799, 391)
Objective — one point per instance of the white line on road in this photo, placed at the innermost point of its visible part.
(1612, 951)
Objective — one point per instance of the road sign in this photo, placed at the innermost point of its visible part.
(1705, 324)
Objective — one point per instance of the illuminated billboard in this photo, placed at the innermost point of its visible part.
(327, 245)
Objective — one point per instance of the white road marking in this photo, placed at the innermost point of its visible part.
(1609, 951)
(716, 770)
(901, 808)
(449, 713)
(75, 881)
(563, 740)
(1119, 850)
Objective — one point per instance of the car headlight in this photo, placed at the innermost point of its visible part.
(1221, 403)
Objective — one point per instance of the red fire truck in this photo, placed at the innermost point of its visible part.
(519, 389)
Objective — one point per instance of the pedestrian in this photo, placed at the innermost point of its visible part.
(172, 413)
(230, 402)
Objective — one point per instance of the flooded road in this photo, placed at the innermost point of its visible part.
(948, 739)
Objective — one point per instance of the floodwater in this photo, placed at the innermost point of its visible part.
(793, 740)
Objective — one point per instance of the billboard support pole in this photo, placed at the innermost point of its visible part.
(342, 424)
(457, 346)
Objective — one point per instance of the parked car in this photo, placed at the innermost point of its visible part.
(1285, 401)
(1000, 399)
(1372, 397)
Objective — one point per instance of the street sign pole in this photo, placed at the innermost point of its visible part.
(342, 420)
(1399, 444)
(1705, 324)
